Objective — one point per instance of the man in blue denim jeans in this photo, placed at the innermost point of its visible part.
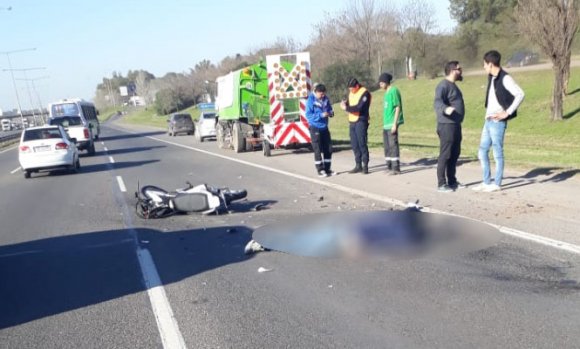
(503, 98)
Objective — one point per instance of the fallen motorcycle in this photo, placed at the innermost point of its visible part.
(154, 202)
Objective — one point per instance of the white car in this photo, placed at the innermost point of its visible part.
(47, 148)
(76, 128)
(205, 127)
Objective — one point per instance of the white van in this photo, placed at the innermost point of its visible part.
(6, 125)
(77, 107)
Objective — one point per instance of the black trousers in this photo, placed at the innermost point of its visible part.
(358, 132)
(449, 151)
(391, 144)
(322, 146)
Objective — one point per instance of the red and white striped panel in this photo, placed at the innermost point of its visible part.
(286, 133)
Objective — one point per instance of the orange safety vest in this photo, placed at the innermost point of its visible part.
(353, 99)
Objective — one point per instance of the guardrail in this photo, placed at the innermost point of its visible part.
(6, 136)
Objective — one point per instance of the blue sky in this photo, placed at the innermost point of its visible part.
(80, 42)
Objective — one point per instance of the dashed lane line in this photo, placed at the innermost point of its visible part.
(171, 337)
(121, 184)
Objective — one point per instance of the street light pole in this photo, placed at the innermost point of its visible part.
(8, 53)
(28, 88)
(36, 93)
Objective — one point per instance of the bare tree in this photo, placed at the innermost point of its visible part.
(416, 22)
(143, 86)
(552, 24)
(363, 31)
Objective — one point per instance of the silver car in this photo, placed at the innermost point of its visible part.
(205, 127)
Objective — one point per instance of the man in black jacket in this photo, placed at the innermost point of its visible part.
(502, 100)
(450, 111)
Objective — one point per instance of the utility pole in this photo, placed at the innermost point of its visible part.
(36, 93)
(8, 53)
(27, 88)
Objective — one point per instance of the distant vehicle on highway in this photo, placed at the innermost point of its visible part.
(6, 125)
(45, 148)
(180, 123)
(523, 58)
(76, 128)
(205, 126)
(77, 107)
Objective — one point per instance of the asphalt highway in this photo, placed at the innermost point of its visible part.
(78, 268)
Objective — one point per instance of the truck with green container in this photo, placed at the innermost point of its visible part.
(263, 105)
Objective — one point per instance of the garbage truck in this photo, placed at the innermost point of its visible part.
(263, 106)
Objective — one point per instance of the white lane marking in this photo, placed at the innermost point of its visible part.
(167, 325)
(168, 328)
(561, 245)
(105, 149)
(102, 143)
(121, 184)
(15, 170)
(5, 150)
(111, 160)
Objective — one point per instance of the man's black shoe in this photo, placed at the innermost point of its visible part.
(365, 170)
(357, 169)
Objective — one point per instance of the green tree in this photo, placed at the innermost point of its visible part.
(336, 77)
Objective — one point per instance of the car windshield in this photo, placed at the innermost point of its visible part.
(65, 109)
(66, 121)
(182, 117)
(208, 115)
(43, 133)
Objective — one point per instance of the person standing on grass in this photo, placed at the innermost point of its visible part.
(502, 100)
(450, 110)
(392, 119)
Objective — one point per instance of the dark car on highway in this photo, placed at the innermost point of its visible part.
(523, 58)
(180, 123)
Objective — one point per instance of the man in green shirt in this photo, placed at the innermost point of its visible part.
(392, 119)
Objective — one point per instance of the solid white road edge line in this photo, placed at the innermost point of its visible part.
(5, 150)
(561, 245)
(121, 184)
(15, 170)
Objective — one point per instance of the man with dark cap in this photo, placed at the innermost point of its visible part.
(357, 106)
(318, 110)
(450, 110)
(392, 118)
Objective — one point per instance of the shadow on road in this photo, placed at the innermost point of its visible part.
(56, 275)
(131, 135)
(128, 150)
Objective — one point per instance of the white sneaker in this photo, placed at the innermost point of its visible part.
(481, 187)
(322, 174)
(253, 247)
(331, 173)
(491, 188)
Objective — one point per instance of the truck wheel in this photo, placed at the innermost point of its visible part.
(238, 138)
(91, 149)
(26, 174)
(266, 148)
